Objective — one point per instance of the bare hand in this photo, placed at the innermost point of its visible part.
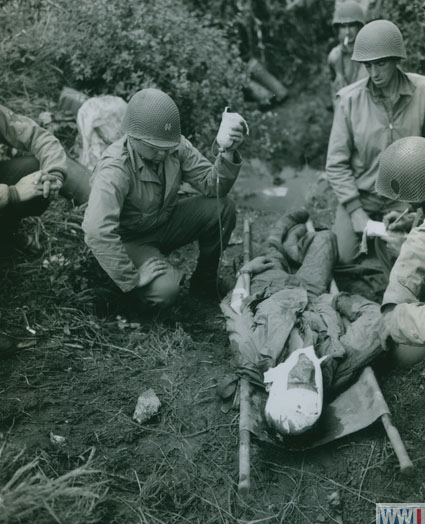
(51, 185)
(236, 134)
(394, 241)
(151, 269)
(29, 186)
(359, 219)
(258, 265)
(404, 224)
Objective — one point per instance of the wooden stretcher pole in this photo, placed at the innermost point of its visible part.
(406, 465)
(245, 390)
(393, 435)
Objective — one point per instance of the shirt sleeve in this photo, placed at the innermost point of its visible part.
(338, 162)
(23, 133)
(101, 222)
(202, 175)
(406, 322)
(408, 273)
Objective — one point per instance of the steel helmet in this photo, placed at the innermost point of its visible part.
(153, 117)
(402, 170)
(378, 39)
(295, 393)
(348, 13)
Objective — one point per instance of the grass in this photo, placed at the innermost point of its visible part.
(81, 374)
(29, 494)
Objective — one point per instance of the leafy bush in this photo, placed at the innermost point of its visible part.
(115, 47)
(293, 45)
(26, 62)
(289, 43)
(410, 18)
(120, 47)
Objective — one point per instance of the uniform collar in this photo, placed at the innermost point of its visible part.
(142, 169)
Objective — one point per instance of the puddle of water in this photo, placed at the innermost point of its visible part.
(255, 186)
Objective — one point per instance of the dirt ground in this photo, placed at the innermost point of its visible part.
(70, 451)
(79, 377)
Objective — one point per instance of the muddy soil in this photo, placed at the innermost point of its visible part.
(80, 374)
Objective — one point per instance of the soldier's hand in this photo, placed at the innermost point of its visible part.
(257, 265)
(236, 134)
(29, 186)
(359, 219)
(151, 269)
(51, 185)
(231, 132)
(403, 224)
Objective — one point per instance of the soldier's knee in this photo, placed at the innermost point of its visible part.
(162, 292)
(406, 356)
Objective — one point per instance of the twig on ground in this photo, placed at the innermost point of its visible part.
(365, 470)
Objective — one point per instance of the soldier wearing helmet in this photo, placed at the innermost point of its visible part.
(371, 114)
(347, 21)
(134, 216)
(402, 177)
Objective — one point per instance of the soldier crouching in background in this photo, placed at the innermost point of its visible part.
(27, 183)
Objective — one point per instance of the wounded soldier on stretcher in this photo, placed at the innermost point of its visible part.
(292, 334)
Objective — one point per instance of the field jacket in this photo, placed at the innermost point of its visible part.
(406, 290)
(128, 199)
(24, 134)
(344, 71)
(363, 128)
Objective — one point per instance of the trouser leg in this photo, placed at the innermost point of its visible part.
(77, 183)
(201, 218)
(385, 258)
(11, 171)
(198, 218)
(319, 260)
(347, 240)
(194, 218)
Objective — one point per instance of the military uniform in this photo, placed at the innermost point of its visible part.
(406, 289)
(362, 129)
(134, 211)
(45, 153)
(343, 70)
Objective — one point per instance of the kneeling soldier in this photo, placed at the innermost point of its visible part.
(134, 215)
